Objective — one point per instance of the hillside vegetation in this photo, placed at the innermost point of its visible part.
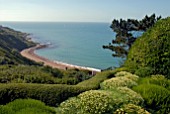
(150, 54)
(118, 91)
(11, 42)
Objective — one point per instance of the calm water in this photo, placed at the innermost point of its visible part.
(73, 43)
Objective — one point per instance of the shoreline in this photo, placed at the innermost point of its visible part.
(29, 53)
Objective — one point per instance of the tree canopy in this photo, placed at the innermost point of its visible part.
(124, 37)
(152, 50)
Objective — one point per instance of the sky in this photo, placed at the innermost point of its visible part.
(80, 10)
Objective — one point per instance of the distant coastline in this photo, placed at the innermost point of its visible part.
(30, 54)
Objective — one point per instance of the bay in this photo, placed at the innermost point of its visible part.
(78, 43)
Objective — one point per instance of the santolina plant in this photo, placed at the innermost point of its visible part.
(127, 75)
(117, 82)
(131, 109)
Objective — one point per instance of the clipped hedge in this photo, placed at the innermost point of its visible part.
(49, 94)
(22, 106)
(156, 97)
(94, 82)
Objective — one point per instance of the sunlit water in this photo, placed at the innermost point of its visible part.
(73, 43)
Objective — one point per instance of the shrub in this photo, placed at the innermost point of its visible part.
(144, 71)
(91, 102)
(131, 109)
(157, 80)
(29, 105)
(156, 97)
(94, 82)
(49, 94)
(70, 106)
(127, 75)
(99, 101)
(130, 96)
(6, 110)
(117, 82)
(151, 50)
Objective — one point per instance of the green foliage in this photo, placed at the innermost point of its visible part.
(99, 101)
(124, 38)
(40, 74)
(118, 82)
(49, 94)
(22, 106)
(157, 80)
(131, 109)
(6, 110)
(128, 75)
(129, 96)
(144, 71)
(90, 102)
(94, 82)
(11, 42)
(70, 106)
(152, 50)
(156, 97)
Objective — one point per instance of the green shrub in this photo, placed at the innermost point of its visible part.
(157, 80)
(99, 101)
(6, 110)
(156, 97)
(130, 96)
(94, 82)
(49, 94)
(29, 106)
(152, 50)
(131, 109)
(144, 71)
(70, 106)
(117, 82)
(127, 75)
(91, 102)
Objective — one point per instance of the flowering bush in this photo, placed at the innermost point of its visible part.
(117, 82)
(127, 75)
(130, 96)
(97, 102)
(122, 73)
(131, 109)
(70, 106)
(91, 102)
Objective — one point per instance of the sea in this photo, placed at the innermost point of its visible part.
(77, 43)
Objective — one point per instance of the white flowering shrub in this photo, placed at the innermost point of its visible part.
(97, 102)
(130, 96)
(117, 82)
(91, 102)
(127, 75)
(131, 109)
(122, 73)
(70, 106)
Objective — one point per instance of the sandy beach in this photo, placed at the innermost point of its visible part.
(30, 54)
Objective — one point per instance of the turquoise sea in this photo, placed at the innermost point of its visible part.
(71, 42)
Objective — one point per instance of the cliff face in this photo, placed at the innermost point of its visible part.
(11, 43)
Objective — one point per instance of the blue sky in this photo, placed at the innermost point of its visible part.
(80, 10)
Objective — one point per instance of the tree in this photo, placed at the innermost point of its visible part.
(124, 38)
